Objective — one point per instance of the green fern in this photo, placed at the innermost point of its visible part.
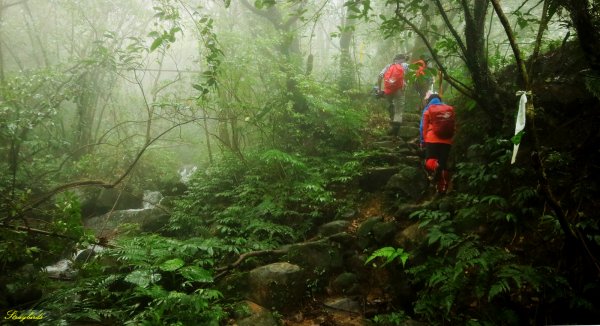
(168, 280)
(275, 157)
(592, 82)
(389, 254)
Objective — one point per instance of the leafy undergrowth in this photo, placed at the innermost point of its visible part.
(269, 200)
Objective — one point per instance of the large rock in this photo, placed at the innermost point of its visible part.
(20, 287)
(234, 284)
(333, 228)
(318, 259)
(375, 231)
(95, 201)
(410, 237)
(345, 283)
(117, 198)
(88, 201)
(376, 178)
(344, 311)
(348, 214)
(383, 232)
(366, 227)
(277, 286)
(409, 183)
(109, 224)
(364, 232)
(343, 304)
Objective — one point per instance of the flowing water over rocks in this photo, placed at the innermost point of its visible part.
(151, 217)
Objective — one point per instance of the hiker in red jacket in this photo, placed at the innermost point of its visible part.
(437, 130)
(393, 89)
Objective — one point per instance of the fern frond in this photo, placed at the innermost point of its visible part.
(389, 254)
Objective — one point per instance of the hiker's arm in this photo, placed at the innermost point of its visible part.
(380, 77)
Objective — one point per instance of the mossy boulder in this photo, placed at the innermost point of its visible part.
(278, 286)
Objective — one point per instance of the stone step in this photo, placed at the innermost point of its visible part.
(385, 144)
(408, 132)
(411, 117)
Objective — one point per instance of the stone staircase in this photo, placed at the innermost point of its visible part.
(409, 130)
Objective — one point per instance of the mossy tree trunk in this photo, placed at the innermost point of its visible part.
(347, 69)
(587, 23)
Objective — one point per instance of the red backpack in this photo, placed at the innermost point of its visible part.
(442, 119)
(393, 79)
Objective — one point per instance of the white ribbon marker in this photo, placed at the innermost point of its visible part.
(520, 125)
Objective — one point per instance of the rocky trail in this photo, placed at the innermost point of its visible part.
(325, 281)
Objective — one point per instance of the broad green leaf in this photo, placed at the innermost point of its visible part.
(142, 278)
(196, 274)
(172, 264)
(157, 42)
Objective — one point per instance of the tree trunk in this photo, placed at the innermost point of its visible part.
(289, 48)
(346, 80)
(34, 35)
(1, 47)
(86, 108)
(207, 135)
(476, 59)
(588, 29)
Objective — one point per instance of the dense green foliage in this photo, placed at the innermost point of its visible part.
(148, 279)
(279, 150)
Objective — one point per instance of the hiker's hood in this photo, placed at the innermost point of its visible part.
(434, 101)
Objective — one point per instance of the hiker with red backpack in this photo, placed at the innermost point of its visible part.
(393, 89)
(437, 130)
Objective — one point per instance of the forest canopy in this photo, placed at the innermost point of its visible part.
(183, 144)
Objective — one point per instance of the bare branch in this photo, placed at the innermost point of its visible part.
(12, 4)
(99, 183)
(513, 43)
(101, 241)
(451, 28)
(225, 269)
(462, 88)
(543, 25)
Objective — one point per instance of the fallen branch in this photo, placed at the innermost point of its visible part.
(225, 269)
(100, 242)
(252, 254)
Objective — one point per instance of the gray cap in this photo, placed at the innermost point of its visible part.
(401, 57)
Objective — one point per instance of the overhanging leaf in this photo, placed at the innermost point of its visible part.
(142, 278)
(172, 265)
(389, 254)
(157, 42)
(196, 274)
